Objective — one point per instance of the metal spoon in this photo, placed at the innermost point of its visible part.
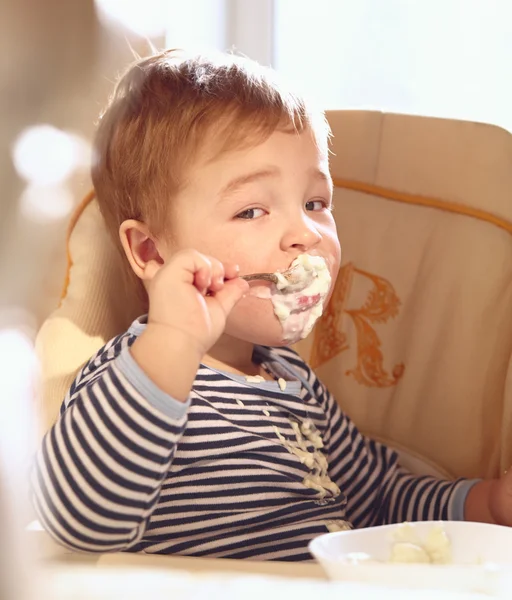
(293, 275)
(265, 276)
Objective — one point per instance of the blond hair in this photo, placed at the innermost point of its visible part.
(164, 110)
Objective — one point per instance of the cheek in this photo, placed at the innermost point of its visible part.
(214, 242)
(334, 256)
(334, 268)
(253, 320)
(331, 251)
(330, 244)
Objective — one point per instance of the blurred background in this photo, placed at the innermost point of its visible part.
(58, 62)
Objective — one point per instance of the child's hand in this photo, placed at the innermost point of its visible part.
(193, 295)
(500, 500)
(490, 501)
(190, 299)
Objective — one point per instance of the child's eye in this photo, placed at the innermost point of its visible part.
(316, 205)
(251, 213)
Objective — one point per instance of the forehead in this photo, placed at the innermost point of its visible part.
(281, 153)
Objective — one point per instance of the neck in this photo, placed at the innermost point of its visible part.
(232, 355)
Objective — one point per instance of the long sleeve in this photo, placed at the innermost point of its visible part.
(377, 489)
(99, 470)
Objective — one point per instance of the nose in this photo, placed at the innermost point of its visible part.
(301, 234)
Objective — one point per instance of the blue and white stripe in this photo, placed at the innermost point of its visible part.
(128, 468)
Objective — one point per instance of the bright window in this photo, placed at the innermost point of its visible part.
(447, 58)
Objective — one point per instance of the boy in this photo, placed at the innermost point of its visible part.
(198, 432)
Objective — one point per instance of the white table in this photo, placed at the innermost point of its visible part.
(63, 575)
(49, 553)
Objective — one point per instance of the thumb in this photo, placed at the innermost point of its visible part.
(231, 293)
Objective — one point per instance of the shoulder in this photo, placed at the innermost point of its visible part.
(98, 363)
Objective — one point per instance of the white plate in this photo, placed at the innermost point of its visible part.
(482, 558)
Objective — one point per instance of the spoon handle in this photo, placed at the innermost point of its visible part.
(265, 276)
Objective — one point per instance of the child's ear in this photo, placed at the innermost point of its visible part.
(140, 249)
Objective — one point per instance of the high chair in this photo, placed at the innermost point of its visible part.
(416, 342)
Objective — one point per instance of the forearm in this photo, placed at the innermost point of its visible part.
(169, 357)
(380, 492)
(425, 498)
(478, 502)
(100, 469)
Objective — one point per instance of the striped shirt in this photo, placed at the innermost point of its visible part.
(243, 469)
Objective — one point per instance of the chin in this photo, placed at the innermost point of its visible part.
(254, 321)
(259, 332)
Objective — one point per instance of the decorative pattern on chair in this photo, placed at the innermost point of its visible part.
(382, 304)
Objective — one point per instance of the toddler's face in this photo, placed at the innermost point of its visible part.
(260, 208)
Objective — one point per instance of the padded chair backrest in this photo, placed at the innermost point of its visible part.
(95, 307)
(417, 342)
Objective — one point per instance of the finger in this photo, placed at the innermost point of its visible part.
(231, 270)
(231, 293)
(192, 263)
(217, 280)
(202, 279)
(201, 268)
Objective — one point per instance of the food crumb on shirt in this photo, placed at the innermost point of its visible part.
(282, 383)
(239, 402)
(266, 413)
(254, 378)
(337, 525)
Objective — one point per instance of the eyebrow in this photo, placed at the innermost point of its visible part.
(235, 184)
(322, 175)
